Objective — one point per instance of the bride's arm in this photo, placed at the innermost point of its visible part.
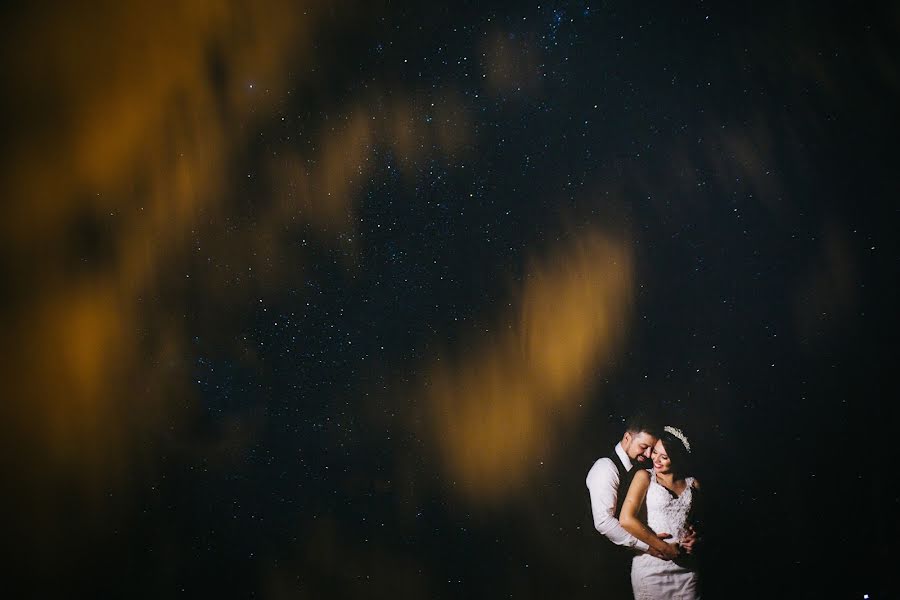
(637, 491)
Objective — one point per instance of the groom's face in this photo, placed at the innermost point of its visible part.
(638, 446)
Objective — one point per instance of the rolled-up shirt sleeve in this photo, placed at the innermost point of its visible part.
(603, 483)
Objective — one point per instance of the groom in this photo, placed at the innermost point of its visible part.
(608, 482)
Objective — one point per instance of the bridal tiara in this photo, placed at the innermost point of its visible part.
(680, 435)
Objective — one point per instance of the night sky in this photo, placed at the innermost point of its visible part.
(343, 300)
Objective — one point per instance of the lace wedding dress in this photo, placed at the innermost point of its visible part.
(653, 578)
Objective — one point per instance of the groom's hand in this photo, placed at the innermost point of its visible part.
(689, 540)
(671, 552)
(654, 552)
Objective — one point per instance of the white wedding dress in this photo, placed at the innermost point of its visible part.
(656, 579)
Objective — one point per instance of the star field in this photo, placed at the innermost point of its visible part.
(344, 302)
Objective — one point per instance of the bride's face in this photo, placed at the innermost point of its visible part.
(661, 461)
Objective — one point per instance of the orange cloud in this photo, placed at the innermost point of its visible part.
(129, 121)
(126, 118)
(497, 414)
(321, 188)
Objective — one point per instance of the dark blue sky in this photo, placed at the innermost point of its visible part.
(274, 331)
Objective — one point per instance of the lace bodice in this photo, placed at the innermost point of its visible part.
(668, 514)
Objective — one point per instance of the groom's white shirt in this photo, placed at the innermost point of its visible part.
(603, 484)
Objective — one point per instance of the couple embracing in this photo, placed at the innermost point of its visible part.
(643, 498)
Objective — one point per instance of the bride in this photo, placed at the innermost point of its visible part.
(669, 495)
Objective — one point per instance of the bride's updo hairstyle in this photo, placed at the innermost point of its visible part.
(678, 450)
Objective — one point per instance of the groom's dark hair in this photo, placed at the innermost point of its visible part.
(639, 421)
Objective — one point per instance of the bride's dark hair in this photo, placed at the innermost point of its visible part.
(678, 454)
